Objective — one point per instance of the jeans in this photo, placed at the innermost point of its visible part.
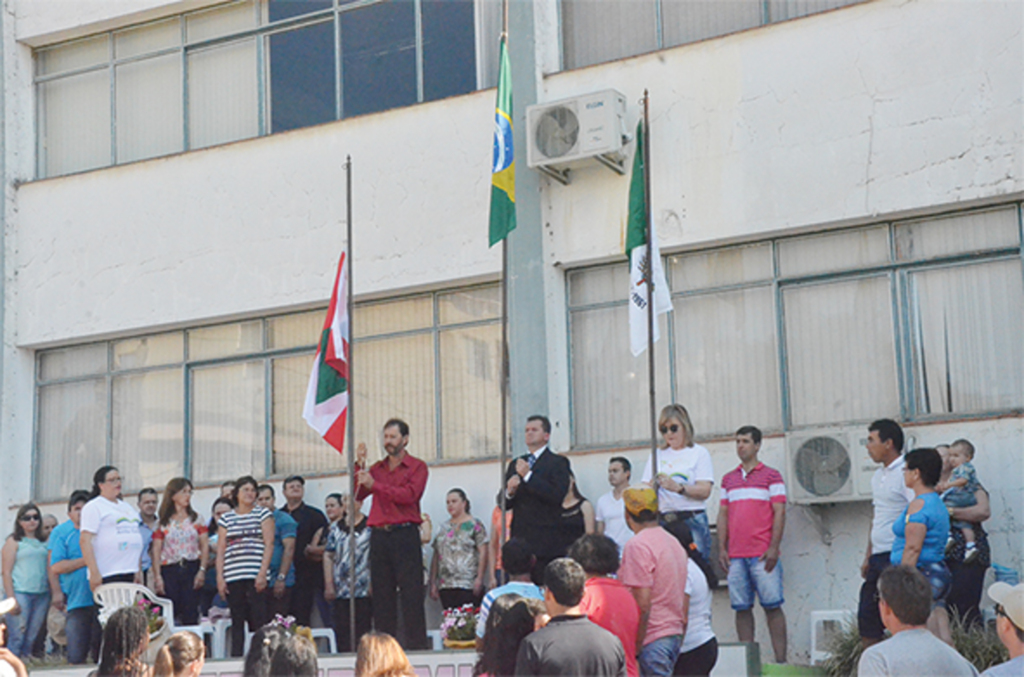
(24, 627)
(699, 528)
(246, 605)
(658, 658)
(84, 634)
(747, 575)
(179, 587)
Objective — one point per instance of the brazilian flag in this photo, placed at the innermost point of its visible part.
(503, 177)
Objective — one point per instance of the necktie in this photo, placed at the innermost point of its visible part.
(531, 459)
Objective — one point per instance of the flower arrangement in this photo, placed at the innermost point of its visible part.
(154, 615)
(288, 623)
(459, 625)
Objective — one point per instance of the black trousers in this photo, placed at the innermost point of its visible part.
(364, 620)
(303, 593)
(179, 587)
(396, 573)
(246, 605)
(698, 662)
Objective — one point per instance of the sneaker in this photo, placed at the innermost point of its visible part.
(950, 544)
(970, 554)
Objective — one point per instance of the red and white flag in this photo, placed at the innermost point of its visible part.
(327, 395)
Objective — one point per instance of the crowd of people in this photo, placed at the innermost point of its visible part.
(620, 587)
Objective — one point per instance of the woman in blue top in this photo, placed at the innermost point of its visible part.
(921, 533)
(24, 573)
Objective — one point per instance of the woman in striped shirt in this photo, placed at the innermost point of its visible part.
(245, 543)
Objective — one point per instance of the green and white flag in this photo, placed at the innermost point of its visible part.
(503, 170)
(639, 261)
(326, 406)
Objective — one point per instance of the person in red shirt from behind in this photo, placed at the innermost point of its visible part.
(606, 601)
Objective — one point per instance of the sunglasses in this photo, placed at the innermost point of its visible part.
(666, 428)
(30, 518)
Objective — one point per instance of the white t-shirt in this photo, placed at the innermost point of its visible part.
(698, 622)
(117, 542)
(611, 512)
(686, 466)
(889, 497)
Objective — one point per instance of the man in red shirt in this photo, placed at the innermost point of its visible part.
(396, 574)
(606, 601)
(751, 518)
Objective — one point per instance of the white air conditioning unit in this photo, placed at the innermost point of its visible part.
(572, 132)
(828, 465)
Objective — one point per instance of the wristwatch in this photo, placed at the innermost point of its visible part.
(281, 577)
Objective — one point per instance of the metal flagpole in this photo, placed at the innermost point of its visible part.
(351, 507)
(503, 460)
(650, 285)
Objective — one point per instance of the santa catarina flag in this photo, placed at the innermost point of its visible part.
(639, 260)
(503, 172)
(327, 395)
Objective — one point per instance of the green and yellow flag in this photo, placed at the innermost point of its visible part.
(503, 177)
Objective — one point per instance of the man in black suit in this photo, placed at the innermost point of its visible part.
(535, 486)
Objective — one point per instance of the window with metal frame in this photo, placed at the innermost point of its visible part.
(217, 402)
(248, 68)
(916, 319)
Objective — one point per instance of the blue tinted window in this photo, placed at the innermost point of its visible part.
(301, 77)
(378, 57)
(449, 48)
(284, 9)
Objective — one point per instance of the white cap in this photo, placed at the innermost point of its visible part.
(1011, 598)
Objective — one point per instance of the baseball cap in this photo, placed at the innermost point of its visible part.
(640, 498)
(1011, 598)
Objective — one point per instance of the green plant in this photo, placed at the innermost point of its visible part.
(977, 644)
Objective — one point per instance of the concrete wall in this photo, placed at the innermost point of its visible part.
(886, 107)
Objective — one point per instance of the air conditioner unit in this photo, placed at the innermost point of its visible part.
(829, 465)
(569, 133)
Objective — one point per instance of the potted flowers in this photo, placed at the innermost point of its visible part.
(459, 627)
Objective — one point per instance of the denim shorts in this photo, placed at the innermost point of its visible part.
(940, 579)
(747, 576)
(658, 658)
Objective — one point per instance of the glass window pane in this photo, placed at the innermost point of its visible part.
(847, 250)
(610, 386)
(781, 10)
(214, 23)
(976, 231)
(594, 32)
(393, 316)
(149, 351)
(75, 123)
(149, 108)
(471, 392)
(490, 14)
(283, 9)
(224, 340)
(841, 351)
(72, 362)
(394, 378)
(292, 331)
(79, 54)
(720, 268)
(598, 285)
(301, 77)
(297, 447)
(378, 57)
(149, 428)
(149, 38)
(223, 103)
(449, 48)
(726, 360)
(691, 20)
(471, 305)
(72, 437)
(969, 321)
(228, 422)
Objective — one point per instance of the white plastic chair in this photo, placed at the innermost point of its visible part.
(113, 596)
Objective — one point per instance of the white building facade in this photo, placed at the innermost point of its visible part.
(837, 189)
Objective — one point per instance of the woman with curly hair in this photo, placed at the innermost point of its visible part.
(125, 640)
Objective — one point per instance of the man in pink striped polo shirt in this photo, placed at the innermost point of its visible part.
(751, 518)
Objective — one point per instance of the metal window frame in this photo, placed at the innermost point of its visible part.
(901, 313)
(266, 355)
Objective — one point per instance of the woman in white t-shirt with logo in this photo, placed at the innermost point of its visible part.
(111, 540)
(684, 480)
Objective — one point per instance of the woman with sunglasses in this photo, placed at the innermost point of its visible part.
(25, 577)
(111, 540)
(684, 478)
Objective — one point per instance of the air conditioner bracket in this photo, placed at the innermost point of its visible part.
(560, 175)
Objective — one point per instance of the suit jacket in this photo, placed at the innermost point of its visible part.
(537, 505)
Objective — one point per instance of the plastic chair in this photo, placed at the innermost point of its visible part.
(113, 596)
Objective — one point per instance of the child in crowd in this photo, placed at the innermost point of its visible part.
(958, 492)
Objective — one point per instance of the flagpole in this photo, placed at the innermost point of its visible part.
(503, 459)
(351, 429)
(650, 285)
